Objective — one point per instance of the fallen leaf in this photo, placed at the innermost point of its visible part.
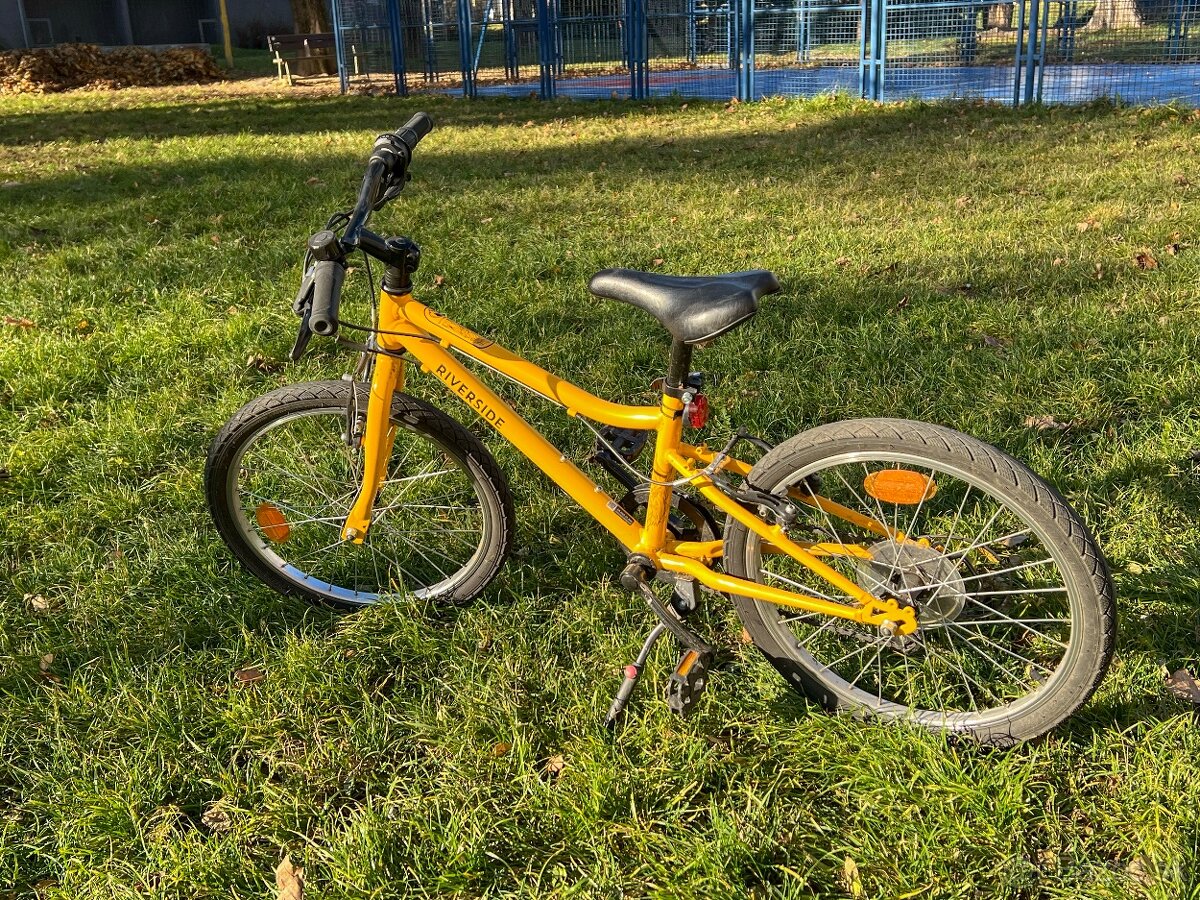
(903, 302)
(1084, 226)
(501, 748)
(44, 669)
(1047, 859)
(250, 675)
(262, 364)
(215, 238)
(1185, 685)
(38, 603)
(851, 879)
(487, 221)
(745, 637)
(83, 326)
(1182, 181)
(994, 342)
(19, 322)
(439, 280)
(962, 201)
(554, 766)
(1135, 568)
(1059, 261)
(842, 261)
(1046, 423)
(289, 880)
(658, 261)
(1141, 870)
(215, 818)
(312, 181)
(1145, 260)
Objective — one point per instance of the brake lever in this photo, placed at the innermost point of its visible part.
(303, 336)
(302, 306)
(391, 193)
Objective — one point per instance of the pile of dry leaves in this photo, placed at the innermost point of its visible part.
(67, 66)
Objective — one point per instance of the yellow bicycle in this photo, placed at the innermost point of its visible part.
(889, 567)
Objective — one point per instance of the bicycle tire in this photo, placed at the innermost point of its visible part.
(321, 409)
(1020, 495)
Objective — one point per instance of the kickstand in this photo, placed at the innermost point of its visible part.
(632, 672)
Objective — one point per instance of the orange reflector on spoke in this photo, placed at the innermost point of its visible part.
(900, 486)
(272, 522)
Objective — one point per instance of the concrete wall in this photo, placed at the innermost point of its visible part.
(11, 33)
(150, 21)
(70, 20)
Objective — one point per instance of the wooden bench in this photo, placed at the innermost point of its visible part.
(292, 49)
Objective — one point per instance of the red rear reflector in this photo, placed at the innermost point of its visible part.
(697, 411)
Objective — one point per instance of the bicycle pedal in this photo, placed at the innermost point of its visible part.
(688, 682)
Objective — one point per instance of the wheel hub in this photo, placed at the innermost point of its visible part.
(919, 575)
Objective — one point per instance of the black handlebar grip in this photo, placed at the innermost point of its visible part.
(415, 129)
(328, 276)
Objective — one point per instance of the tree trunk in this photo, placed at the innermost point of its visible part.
(1114, 14)
(312, 17)
(998, 15)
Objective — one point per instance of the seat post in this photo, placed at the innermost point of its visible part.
(678, 367)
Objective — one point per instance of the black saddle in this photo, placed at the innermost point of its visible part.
(692, 309)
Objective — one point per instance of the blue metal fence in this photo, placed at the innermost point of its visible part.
(1013, 51)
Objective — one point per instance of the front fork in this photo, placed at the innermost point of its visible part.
(378, 436)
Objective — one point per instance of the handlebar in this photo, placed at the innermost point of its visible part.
(387, 173)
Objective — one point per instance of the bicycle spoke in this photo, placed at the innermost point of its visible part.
(1020, 622)
(1007, 537)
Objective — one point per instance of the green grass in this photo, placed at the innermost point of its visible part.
(246, 61)
(934, 268)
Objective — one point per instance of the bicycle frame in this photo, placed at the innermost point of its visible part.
(429, 336)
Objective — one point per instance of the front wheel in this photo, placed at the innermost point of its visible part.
(1013, 598)
(281, 477)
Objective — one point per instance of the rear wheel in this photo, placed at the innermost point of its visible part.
(1013, 598)
(280, 479)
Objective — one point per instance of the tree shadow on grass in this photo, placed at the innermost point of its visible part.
(289, 116)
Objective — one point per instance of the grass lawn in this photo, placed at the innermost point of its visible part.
(968, 265)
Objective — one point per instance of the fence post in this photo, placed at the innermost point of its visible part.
(879, 46)
(1033, 43)
(865, 77)
(399, 65)
(1019, 52)
(637, 47)
(546, 48)
(339, 47)
(745, 80)
(464, 47)
(872, 48)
